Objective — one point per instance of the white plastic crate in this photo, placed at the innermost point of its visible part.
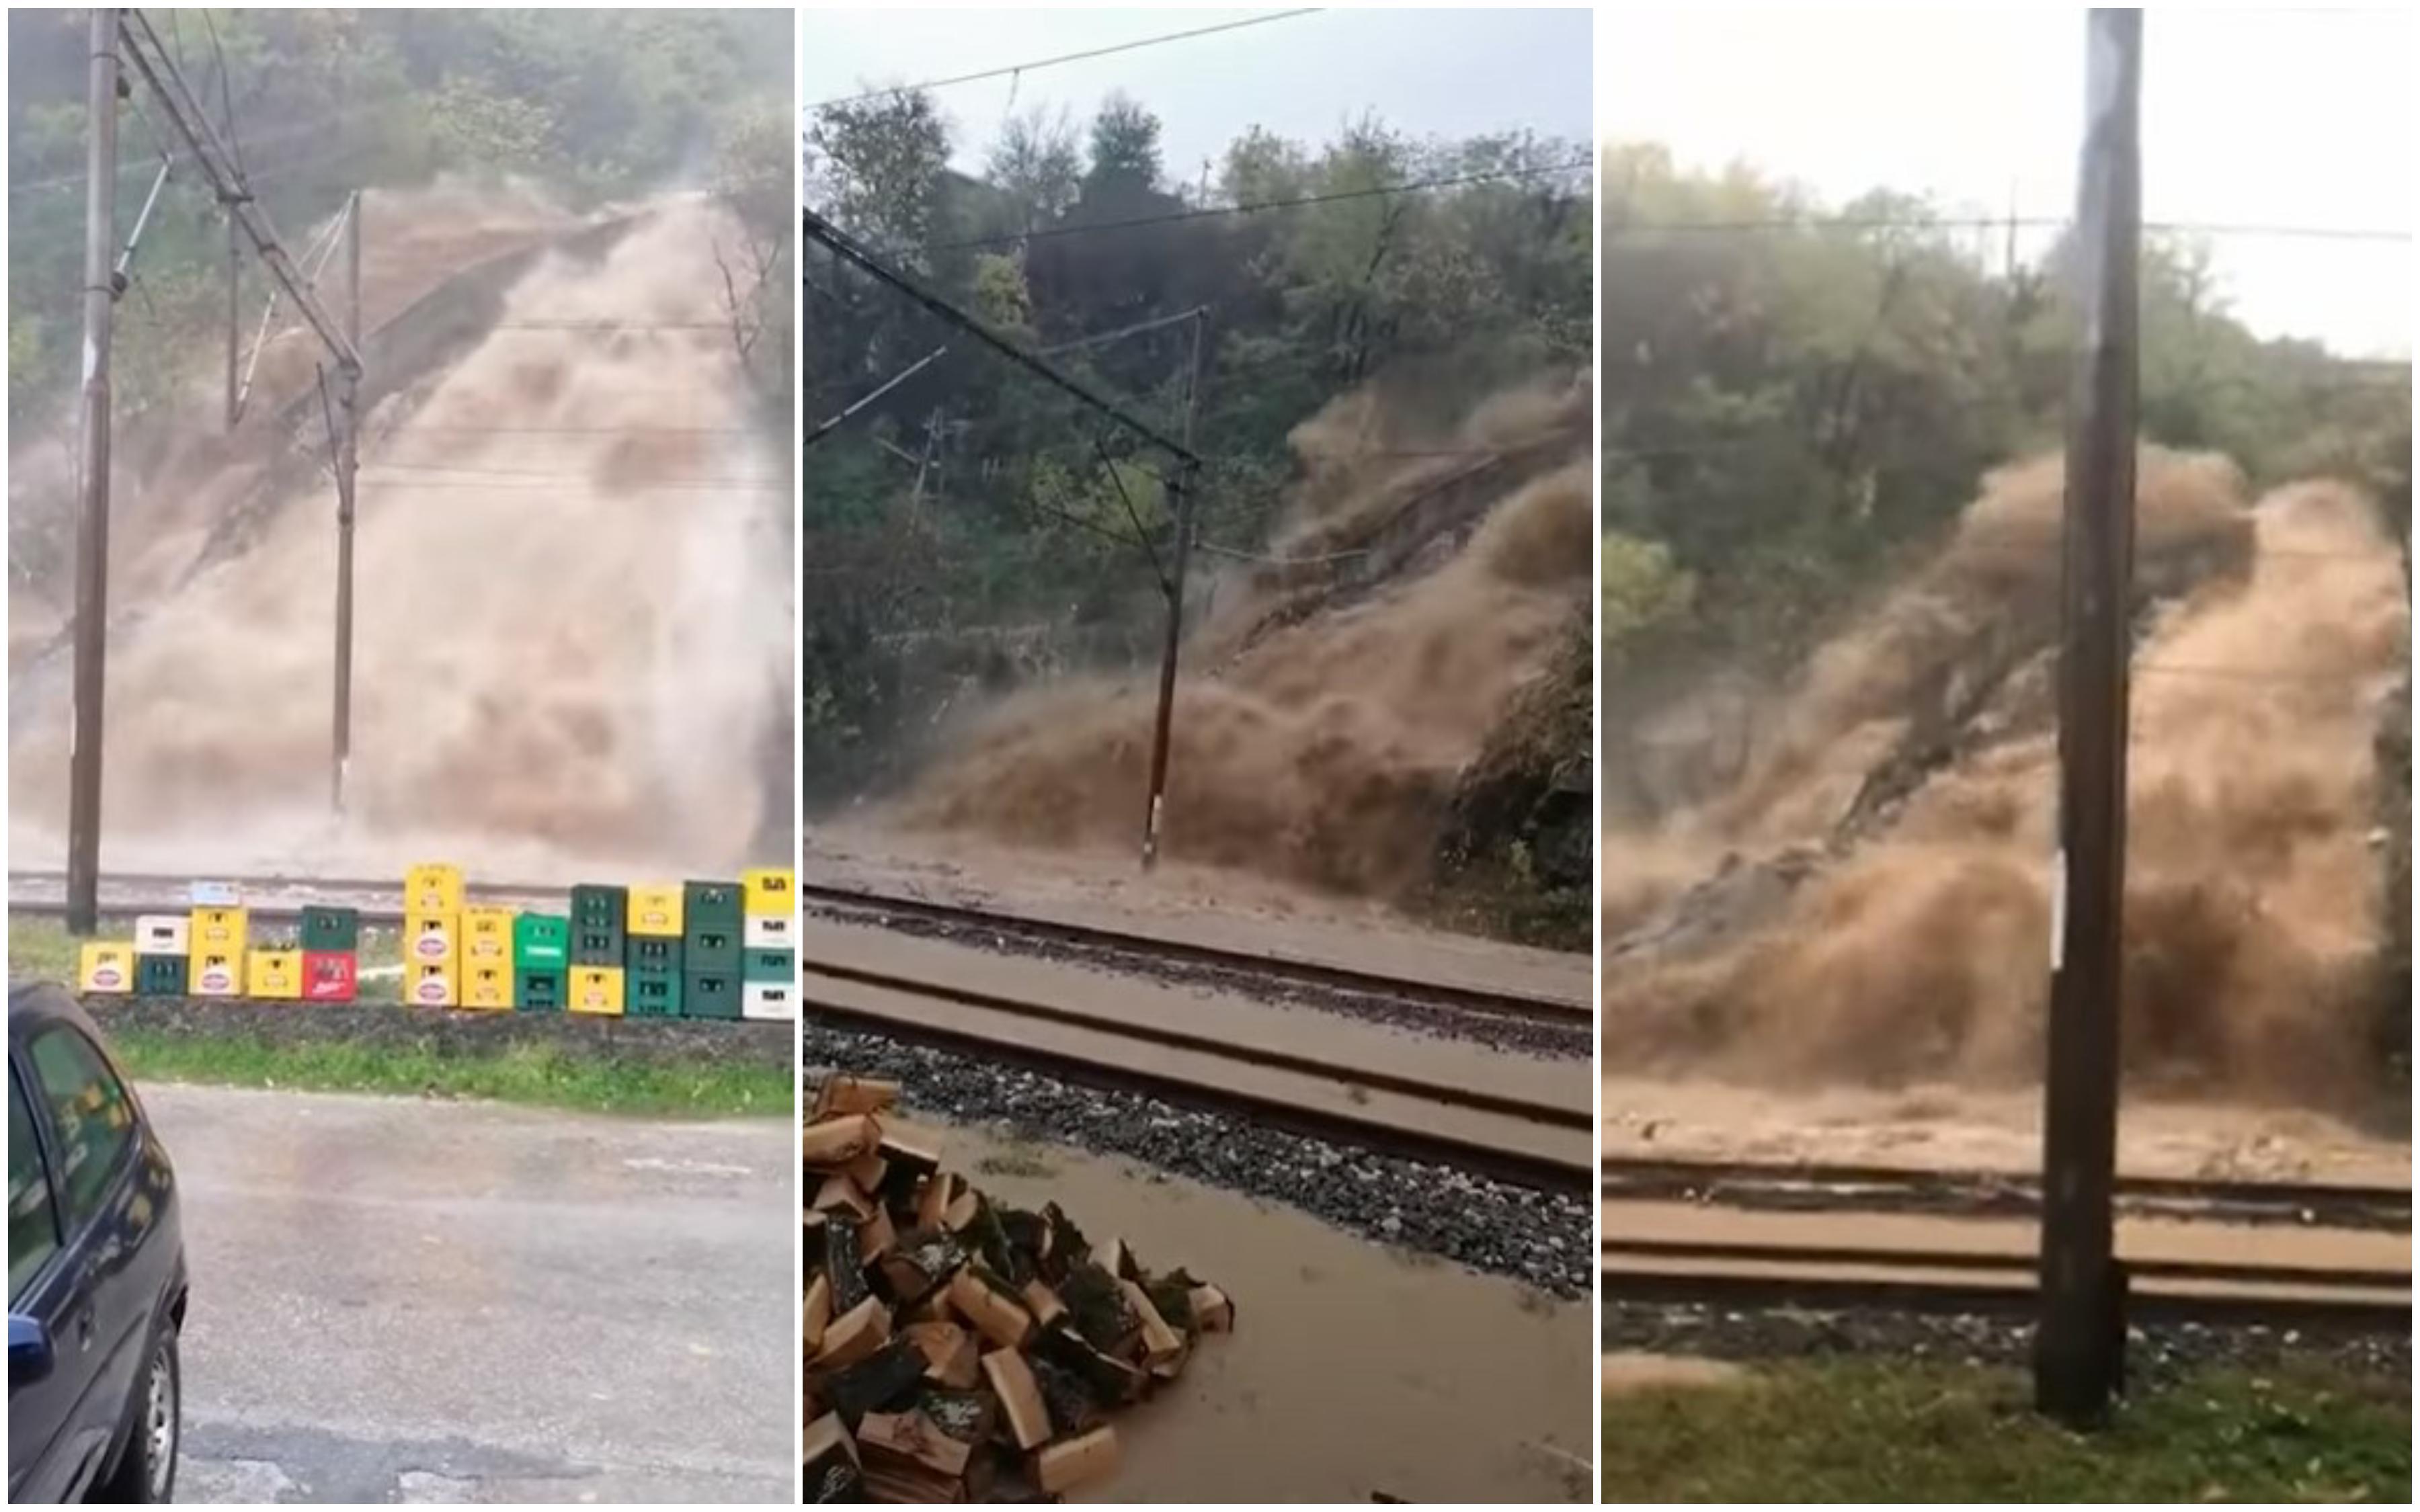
(768, 931)
(768, 1000)
(163, 934)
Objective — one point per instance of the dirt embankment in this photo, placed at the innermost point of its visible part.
(1869, 901)
(1332, 705)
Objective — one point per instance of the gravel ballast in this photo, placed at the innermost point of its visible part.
(1544, 1239)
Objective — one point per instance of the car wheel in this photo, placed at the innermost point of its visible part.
(146, 1467)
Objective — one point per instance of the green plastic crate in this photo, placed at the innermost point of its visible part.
(331, 928)
(712, 947)
(159, 976)
(598, 905)
(765, 962)
(653, 995)
(596, 945)
(654, 952)
(541, 942)
(538, 989)
(711, 995)
(710, 902)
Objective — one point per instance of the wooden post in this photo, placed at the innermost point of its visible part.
(92, 515)
(2079, 1352)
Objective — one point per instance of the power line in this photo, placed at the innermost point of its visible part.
(1066, 58)
(1765, 224)
(1260, 207)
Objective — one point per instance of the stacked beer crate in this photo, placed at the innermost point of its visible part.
(209, 952)
(432, 936)
(769, 966)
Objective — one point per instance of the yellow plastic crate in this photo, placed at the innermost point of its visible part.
(488, 987)
(433, 887)
(487, 937)
(432, 939)
(106, 967)
(771, 889)
(218, 931)
(215, 974)
(431, 984)
(595, 990)
(276, 975)
(653, 911)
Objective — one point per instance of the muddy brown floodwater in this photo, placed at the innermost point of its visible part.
(1354, 1370)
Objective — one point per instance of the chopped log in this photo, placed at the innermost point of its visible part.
(1111, 1382)
(1044, 1304)
(876, 1237)
(883, 1380)
(902, 1148)
(1117, 1260)
(1020, 1397)
(922, 1260)
(833, 1143)
(841, 1095)
(854, 1335)
(962, 1209)
(868, 1170)
(1213, 1313)
(952, 1357)
(1099, 1309)
(967, 1415)
(831, 1465)
(1061, 1467)
(1029, 1234)
(840, 1193)
(1161, 1344)
(910, 1436)
(987, 1301)
(934, 1196)
(896, 1482)
(1069, 1401)
(816, 1315)
(840, 1262)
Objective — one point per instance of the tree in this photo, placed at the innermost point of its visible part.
(1035, 164)
(1126, 153)
(875, 167)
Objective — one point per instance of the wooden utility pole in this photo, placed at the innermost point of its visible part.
(92, 514)
(1180, 549)
(349, 414)
(2079, 1352)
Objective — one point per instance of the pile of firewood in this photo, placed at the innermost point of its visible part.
(956, 1349)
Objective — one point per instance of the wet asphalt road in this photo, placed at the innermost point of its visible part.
(405, 1300)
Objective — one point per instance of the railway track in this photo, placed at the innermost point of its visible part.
(1879, 1189)
(1526, 1141)
(1848, 1238)
(1112, 943)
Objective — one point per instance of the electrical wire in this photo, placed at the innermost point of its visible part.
(1016, 69)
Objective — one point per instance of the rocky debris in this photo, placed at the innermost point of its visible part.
(960, 1350)
(1547, 1239)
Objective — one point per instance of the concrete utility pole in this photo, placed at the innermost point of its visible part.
(348, 393)
(2079, 1352)
(1181, 548)
(92, 517)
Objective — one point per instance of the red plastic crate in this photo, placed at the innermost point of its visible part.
(330, 976)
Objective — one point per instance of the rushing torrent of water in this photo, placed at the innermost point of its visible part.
(572, 633)
(1855, 941)
(1319, 731)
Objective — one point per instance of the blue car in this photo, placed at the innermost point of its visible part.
(95, 1269)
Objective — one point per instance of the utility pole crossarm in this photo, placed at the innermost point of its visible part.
(846, 247)
(159, 70)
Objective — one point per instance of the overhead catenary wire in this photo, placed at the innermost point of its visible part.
(1015, 69)
(1208, 212)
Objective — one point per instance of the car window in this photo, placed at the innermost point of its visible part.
(33, 1229)
(91, 1122)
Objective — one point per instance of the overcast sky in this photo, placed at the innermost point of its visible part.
(2267, 117)
(1449, 73)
